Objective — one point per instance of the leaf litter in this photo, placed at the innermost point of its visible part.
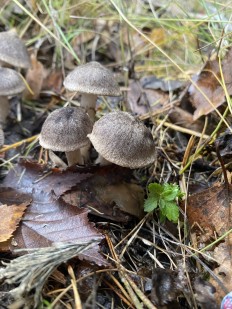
(210, 81)
(63, 204)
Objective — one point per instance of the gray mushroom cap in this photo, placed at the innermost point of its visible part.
(121, 139)
(66, 129)
(11, 82)
(92, 78)
(13, 50)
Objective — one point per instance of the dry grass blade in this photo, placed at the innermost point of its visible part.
(20, 143)
(74, 286)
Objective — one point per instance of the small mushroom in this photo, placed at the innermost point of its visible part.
(92, 80)
(13, 50)
(66, 129)
(11, 83)
(121, 139)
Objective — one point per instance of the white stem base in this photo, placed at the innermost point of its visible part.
(56, 160)
(85, 153)
(74, 157)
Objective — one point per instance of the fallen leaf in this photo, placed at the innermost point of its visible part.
(208, 213)
(106, 191)
(184, 119)
(210, 209)
(224, 143)
(209, 81)
(53, 81)
(49, 220)
(10, 218)
(224, 271)
(115, 202)
(134, 41)
(109, 194)
(34, 77)
(12, 196)
(142, 101)
(26, 176)
(152, 82)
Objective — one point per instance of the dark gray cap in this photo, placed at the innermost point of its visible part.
(92, 78)
(66, 129)
(13, 51)
(121, 139)
(11, 82)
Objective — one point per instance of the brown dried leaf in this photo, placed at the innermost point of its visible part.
(142, 101)
(105, 190)
(10, 218)
(54, 81)
(210, 209)
(185, 119)
(12, 196)
(34, 77)
(49, 220)
(27, 176)
(224, 272)
(114, 202)
(106, 194)
(209, 81)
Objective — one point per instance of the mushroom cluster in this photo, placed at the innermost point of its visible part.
(12, 53)
(118, 137)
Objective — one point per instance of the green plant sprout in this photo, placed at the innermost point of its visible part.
(163, 197)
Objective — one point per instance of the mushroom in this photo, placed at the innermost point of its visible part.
(66, 129)
(121, 139)
(13, 51)
(11, 83)
(92, 80)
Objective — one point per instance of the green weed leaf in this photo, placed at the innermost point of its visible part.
(163, 197)
(150, 204)
(171, 211)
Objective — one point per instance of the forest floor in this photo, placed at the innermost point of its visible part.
(109, 236)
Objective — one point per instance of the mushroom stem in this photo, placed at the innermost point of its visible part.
(1, 136)
(56, 160)
(85, 153)
(88, 101)
(102, 161)
(5, 108)
(74, 157)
